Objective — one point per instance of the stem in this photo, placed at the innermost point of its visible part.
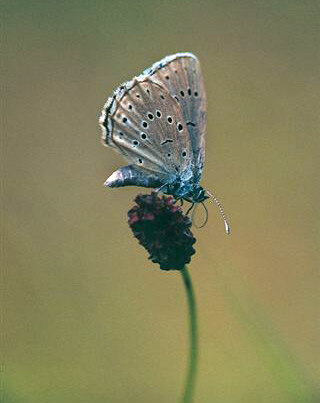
(190, 380)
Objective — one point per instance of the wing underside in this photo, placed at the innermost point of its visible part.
(157, 120)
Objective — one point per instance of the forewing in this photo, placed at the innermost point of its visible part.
(145, 124)
(181, 75)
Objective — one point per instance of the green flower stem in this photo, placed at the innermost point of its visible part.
(193, 357)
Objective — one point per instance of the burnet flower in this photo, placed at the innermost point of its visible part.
(163, 230)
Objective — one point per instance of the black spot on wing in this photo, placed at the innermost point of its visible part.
(167, 141)
(191, 124)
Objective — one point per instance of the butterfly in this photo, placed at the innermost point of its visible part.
(157, 121)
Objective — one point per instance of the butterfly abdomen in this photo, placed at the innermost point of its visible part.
(134, 176)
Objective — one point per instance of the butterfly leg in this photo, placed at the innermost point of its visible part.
(190, 208)
(161, 187)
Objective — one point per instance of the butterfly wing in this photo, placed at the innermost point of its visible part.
(145, 124)
(181, 75)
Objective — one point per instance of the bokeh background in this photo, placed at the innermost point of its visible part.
(87, 317)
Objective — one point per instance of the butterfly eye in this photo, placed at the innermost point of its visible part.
(169, 155)
(158, 114)
(144, 124)
(189, 92)
(182, 93)
(167, 77)
(161, 96)
(143, 136)
(184, 153)
(124, 120)
(150, 116)
(176, 98)
(179, 127)
(169, 119)
(130, 107)
(140, 161)
(135, 143)
(196, 94)
(120, 135)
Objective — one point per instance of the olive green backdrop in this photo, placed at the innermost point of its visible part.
(87, 317)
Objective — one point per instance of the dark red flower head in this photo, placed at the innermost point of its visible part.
(162, 228)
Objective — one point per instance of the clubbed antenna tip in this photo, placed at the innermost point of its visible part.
(227, 227)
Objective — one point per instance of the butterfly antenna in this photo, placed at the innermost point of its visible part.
(226, 223)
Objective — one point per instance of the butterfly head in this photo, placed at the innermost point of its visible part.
(196, 195)
(199, 195)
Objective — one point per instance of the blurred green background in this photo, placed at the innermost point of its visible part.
(87, 317)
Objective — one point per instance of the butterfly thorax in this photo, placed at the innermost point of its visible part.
(191, 192)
